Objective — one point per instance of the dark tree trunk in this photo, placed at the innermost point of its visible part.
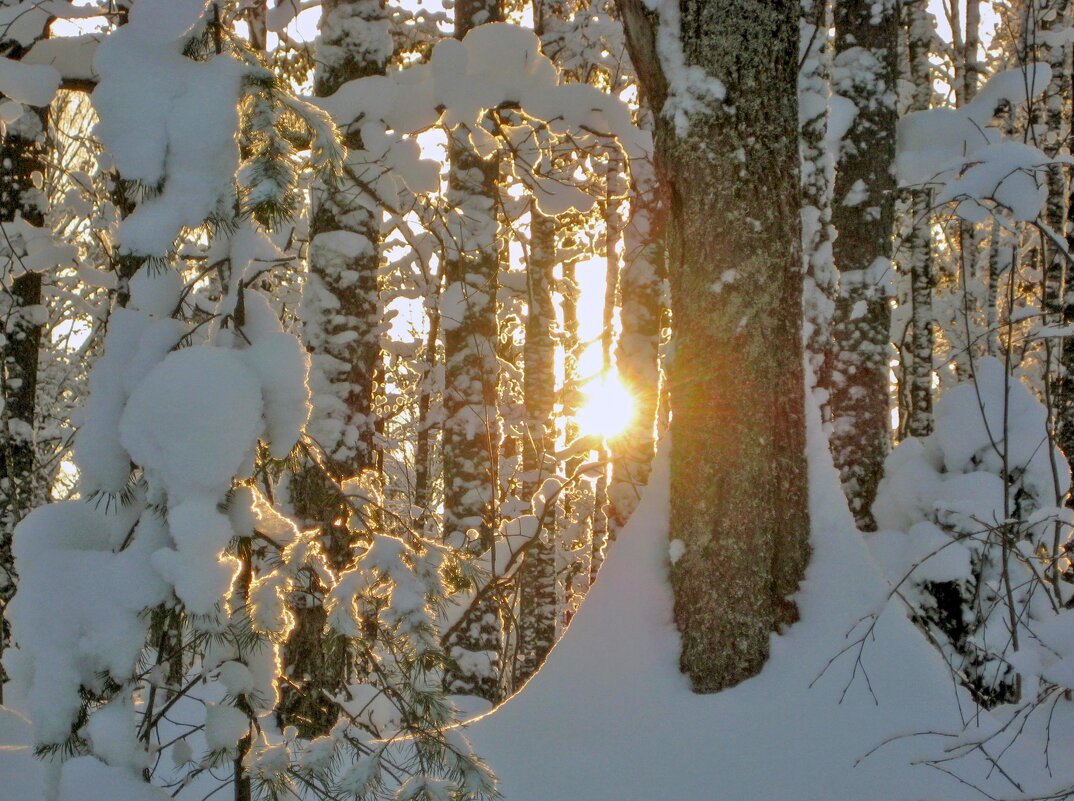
(739, 500)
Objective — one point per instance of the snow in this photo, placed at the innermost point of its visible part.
(88, 779)
(224, 726)
(71, 56)
(282, 365)
(156, 291)
(495, 64)
(32, 84)
(1011, 174)
(964, 155)
(610, 716)
(23, 776)
(173, 121)
(64, 639)
(691, 90)
(193, 421)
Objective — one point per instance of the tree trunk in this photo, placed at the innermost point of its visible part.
(471, 425)
(613, 236)
(637, 354)
(23, 153)
(814, 86)
(342, 320)
(866, 41)
(739, 500)
(537, 591)
(919, 422)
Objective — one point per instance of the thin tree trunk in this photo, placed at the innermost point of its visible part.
(866, 40)
(814, 85)
(739, 499)
(570, 400)
(637, 354)
(613, 235)
(472, 426)
(23, 153)
(919, 423)
(537, 591)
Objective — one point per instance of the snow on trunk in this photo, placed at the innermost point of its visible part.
(472, 429)
(866, 44)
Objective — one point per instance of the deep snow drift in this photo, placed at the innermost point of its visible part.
(610, 717)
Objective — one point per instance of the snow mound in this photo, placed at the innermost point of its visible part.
(611, 717)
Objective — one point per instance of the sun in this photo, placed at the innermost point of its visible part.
(609, 407)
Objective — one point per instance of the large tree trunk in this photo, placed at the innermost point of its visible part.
(472, 429)
(342, 318)
(341, 308)
(866, 40)
(739, 508)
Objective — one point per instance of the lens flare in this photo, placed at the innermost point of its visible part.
(609, 408)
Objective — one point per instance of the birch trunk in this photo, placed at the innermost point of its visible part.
(537, 601)
(472, 429)
(919, 423)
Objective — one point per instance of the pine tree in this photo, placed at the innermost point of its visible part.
(739, 508)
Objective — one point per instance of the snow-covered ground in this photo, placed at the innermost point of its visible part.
(834, 715)
(610, 717)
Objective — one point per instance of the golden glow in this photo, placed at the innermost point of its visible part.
(608, 409)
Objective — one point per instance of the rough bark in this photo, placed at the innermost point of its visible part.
(738, 472)
(864, 70)
(471, 425)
